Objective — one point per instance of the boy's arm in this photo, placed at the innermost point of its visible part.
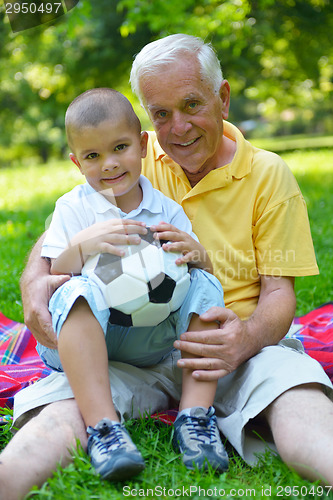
(72, 258)
(70, 261)
(104, 237)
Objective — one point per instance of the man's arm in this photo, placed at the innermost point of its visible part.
(222, 350)
(37, 287)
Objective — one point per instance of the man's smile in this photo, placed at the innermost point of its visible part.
(188, 143)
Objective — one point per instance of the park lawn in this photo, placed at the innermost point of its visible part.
(28, 195)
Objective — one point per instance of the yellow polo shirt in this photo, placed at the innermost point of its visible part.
(250, 216)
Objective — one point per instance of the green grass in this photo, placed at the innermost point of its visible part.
(281, 144)
(165, 477)
(314, 173)
(28, 196)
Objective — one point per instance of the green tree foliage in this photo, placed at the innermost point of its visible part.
(292, 72)
(277, 55)
(44, 68)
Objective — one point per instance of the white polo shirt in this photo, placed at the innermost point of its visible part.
(83, 206)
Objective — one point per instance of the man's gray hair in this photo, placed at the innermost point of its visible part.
(167, 50)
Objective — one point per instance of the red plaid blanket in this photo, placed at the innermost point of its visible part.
(316, 334)
(21, 366)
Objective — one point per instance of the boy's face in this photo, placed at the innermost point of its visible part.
(109, 156)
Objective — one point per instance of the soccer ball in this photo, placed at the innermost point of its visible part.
(144, 286)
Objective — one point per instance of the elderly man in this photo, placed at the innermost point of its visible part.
(247, 210)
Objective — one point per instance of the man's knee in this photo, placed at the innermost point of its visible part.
(295, 412)
(65, 415)
(60, 418)
(293, 401)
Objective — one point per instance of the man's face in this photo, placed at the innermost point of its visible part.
(187, 116)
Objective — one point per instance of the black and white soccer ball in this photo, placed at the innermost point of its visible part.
(144, 286)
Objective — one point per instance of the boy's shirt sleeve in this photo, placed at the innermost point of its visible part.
(65, 223)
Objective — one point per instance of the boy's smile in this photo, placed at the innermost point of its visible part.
(109, 156)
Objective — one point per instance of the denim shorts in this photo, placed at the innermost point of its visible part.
(139, 346)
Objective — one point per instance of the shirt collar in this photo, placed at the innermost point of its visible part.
(149, 202)
(238, 168)
(242, 161)
(98, 202)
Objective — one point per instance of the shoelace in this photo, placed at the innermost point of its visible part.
(110, 437)
(201, 429)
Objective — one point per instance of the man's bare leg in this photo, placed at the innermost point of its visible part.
(38, 447)
(301, 421)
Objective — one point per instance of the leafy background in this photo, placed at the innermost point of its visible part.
(277, 55)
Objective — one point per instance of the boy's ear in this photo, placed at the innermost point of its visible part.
(75, 160)
(143, 142)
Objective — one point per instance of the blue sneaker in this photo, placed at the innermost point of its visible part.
(112, 451)
(197, 437)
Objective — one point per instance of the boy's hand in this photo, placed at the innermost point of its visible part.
(193, 252)
(102, 237)
(105, 237)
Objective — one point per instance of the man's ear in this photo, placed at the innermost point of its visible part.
(143, 143)
(76, 161)
(225, 98)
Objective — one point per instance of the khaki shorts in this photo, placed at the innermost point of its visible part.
(241, 396)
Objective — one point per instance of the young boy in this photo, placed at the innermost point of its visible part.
(113, 208)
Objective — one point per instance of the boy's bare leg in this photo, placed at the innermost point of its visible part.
(196, 435)
(83, 354)
(197, 392)
(38, 447)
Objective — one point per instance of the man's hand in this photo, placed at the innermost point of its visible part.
(36, 312)
(37, 286)
(220, 351)
(234, 341)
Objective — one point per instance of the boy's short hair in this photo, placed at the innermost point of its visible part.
(97, 105)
